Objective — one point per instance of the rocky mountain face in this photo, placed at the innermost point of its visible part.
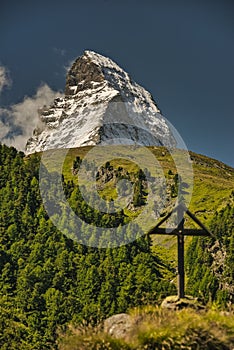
(101, 104)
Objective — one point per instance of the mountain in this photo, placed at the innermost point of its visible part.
(101, 104)
(51, 281)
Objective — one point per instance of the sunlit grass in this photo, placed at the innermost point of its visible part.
(157, 328)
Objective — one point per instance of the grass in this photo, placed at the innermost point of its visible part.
(158, 328)
(93, 342)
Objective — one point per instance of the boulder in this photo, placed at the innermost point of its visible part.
(119, 326)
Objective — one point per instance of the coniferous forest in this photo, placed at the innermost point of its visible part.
(48, 281)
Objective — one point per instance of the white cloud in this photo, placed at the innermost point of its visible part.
(5, 80)
(4, 129)
(21, 119)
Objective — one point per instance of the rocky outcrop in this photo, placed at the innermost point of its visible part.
(82, 75)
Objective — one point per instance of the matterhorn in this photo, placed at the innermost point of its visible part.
(101, 105)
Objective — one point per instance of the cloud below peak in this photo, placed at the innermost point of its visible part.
(18, 121)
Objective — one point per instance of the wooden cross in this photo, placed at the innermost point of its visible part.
(180, 232)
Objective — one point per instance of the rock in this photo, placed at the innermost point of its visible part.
(174, 303)
(119, 326)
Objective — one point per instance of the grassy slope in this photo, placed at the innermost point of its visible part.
(213, 185)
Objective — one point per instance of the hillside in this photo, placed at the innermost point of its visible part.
(48, 280)
(212, 186)
(213, 180)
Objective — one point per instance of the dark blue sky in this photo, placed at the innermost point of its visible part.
(181, 51)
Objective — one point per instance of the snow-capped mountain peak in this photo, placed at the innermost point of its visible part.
(101, 104)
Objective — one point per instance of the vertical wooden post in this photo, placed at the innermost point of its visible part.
(180, 241)
(181, 232)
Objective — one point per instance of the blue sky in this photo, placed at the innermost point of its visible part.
(181, 51)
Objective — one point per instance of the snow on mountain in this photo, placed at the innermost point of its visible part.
(101, 104)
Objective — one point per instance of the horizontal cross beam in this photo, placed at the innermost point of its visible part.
(176, 232)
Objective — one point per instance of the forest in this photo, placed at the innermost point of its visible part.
(48, 280)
